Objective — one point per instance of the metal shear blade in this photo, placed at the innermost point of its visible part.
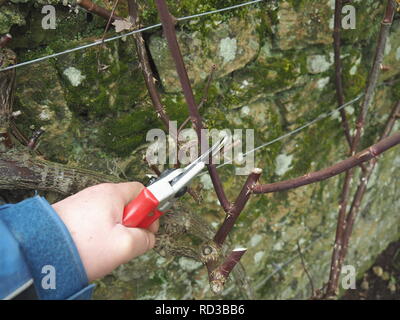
(213, 150)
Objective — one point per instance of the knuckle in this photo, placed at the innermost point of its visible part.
(138, 185)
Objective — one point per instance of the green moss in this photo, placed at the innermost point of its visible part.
(354, 84)
(299, 4)
(204, 24)
(275, 73)
(268, 18)
(176, 107)
(396, 91)
(122, 135)
(102, 93)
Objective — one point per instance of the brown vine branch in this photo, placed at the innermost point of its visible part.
(233, 211)
(369, 95)
(98, 10)
(363, 156)
(340, 228)
(218, 276)
(340, 97)
(19, 170)
(170, 34)
(375, 71)
(238, 206)
(354, 209)
(362, 187)
(203, 100)
(218, 273)
(168, 23)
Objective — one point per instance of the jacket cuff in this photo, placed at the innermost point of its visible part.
(84, 294)
(49, 250)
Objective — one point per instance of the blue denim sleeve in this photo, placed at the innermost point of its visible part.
(47, 248)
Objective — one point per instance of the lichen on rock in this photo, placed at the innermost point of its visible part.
(74, 76)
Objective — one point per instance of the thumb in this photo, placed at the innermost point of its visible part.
(131, 242)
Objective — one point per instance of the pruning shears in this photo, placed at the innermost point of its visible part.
(160, 193)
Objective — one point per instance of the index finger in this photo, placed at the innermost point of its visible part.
(128, 191)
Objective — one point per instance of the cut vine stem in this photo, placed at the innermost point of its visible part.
(4, 40)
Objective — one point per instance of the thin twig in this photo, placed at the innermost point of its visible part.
(110, 19)
(101, 67)
(338, 67)
(305, 269)
(148, 75)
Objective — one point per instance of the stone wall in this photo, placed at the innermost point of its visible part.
(274, 73)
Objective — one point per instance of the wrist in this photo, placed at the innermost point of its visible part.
(46, 241)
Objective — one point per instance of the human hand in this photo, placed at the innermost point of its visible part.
(93, 217)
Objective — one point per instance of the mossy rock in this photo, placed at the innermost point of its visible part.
(42, 101)
(10, 15)
(229, 46)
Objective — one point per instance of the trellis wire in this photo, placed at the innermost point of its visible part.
(290, 133)
(98, 42)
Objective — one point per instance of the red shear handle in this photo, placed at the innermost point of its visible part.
(142, 211)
